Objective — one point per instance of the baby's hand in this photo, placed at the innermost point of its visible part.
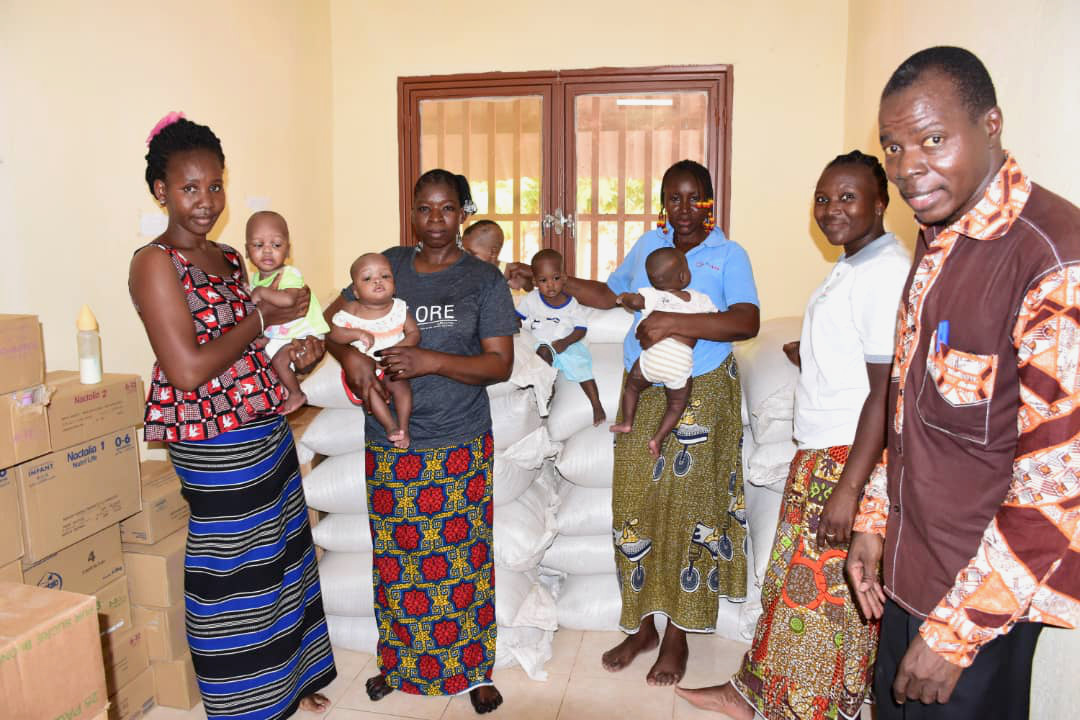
(363, 336)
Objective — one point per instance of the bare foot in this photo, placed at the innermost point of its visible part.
(623, 654)
(720, 699)
(295, 401)
(398, 437)
(623, 427)
(671, 665)
(485, 699)
(377, 688)
(654, 448)
(598, 415)
(315, 702)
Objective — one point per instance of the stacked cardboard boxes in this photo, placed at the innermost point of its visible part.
(50, 655)
(69, 474)
(156, 579)
(153, 543)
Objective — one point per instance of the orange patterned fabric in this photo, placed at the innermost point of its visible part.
(992, 217)
(1028, 565)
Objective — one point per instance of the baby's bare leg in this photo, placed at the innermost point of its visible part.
(635, 383)
(401, 392)
(676, 404)
(381, 410)
(282, 365)
(591, 392)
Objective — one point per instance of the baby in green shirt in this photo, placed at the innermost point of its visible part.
(267, 246)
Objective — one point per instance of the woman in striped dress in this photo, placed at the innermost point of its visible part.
(254, 610)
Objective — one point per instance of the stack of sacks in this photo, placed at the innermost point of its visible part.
(768, 382)
(582, 551)
(524, 509)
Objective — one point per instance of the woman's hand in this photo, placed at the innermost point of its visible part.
(837, 518)
(305, 353)
(405, 363)
(656, 327)
(631, 302)
(359, 372)
(519, 275)
(274, 313)
(791, 349)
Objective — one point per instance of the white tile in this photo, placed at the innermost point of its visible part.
(564, 651)
(523, 697)
(396, 703)
(588, 698)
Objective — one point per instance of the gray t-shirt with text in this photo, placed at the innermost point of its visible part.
(455, 309)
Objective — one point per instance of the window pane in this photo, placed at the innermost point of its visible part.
(497, 144)
(607, 247)
(624, 143)
(583, 256)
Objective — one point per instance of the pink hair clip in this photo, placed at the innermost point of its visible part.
(162, 124)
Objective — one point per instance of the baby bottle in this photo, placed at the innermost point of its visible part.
(89, 342)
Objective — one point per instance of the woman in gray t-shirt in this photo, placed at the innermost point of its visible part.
(430, 505)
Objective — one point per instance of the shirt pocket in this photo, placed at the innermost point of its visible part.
(957, 390)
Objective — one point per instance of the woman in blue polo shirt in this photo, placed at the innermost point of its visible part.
(679, 520)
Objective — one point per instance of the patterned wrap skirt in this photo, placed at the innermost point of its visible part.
(680, 521)
(433, 573)
(812, 655)
(255, 619)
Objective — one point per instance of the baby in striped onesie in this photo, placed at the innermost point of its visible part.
(669, 362)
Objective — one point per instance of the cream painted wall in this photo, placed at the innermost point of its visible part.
(789, 70)
(81, 84)
(1031, 49)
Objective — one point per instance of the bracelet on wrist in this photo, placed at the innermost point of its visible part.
(262, 323)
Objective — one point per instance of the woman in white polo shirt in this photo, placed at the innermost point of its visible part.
(813, 654)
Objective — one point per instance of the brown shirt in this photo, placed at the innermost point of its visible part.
(978, 503)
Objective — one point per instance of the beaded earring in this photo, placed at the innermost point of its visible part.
(661, 220)
(710, 221)
(419, 245)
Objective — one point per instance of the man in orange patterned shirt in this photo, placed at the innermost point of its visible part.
(974, 514)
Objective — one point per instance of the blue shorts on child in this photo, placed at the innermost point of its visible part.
(575, 362)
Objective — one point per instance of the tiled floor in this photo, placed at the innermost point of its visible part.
(577, 688)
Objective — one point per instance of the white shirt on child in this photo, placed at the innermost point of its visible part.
(549, 323)
(850, 320)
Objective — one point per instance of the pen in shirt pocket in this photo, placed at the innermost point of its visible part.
(942, 334)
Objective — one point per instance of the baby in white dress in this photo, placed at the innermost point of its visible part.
(375, 321)
(669, 362)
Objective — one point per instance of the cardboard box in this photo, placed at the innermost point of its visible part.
(22, 359)
(78, 412)
(11, 537)
(85, 567)
(156, 572)
(50, 654)
(135, 699)
(12, 572)
(166, 636)
(124, 653)
(68, 495)
(164, 509)
(114, 606)
(24, 425)
(175, 684)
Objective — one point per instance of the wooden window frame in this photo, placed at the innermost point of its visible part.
(559, 90)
